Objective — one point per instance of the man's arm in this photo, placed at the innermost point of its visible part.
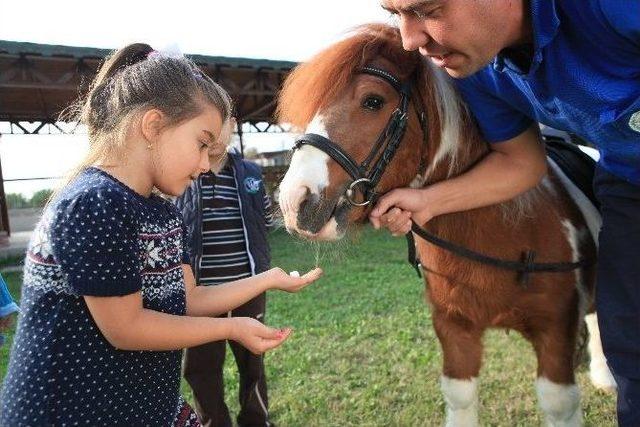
(512, 167)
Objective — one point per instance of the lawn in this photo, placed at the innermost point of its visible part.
(364, 353)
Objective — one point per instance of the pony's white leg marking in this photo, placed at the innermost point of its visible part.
(599, 372)
(461, 397)
(573, 238)
(308, 171)
(598, 369)
(559, 402)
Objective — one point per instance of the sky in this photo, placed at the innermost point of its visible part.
(269, 29)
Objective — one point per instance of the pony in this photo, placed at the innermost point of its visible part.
(355, 95)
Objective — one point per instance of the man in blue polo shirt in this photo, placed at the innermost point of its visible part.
(573, 65)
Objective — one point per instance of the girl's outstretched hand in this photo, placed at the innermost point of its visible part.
(292, 282)
(255, 336)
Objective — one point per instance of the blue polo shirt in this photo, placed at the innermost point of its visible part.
(584, 78)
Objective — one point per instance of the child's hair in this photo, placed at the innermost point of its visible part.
(133, 80)
(226, 133)
(218, 152)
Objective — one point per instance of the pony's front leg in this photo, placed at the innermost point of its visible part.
(599, 372)
(462, 352)
(558, 394)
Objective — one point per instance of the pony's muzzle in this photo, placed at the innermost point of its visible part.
(314, 212)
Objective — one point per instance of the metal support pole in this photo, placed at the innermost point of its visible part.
(239, 129)
(4, 213)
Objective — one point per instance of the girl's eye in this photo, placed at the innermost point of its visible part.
(203, 145)
(373, 102)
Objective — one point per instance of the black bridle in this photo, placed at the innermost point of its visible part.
(367, 175)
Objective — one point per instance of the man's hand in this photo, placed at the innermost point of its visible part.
(397, 208)
(510, 168)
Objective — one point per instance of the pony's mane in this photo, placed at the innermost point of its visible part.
(316, 83)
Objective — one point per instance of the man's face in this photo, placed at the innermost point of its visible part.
(460, 36)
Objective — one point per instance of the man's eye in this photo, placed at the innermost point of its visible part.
(419, 14)
(423, 14)
(373, 102)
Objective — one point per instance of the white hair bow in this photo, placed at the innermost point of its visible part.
(171, 50)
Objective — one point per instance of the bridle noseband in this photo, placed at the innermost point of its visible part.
(367, 174)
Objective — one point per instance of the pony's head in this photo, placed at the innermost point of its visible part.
(332, 97)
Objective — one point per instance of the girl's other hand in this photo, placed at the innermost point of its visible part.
(292, 282)
(255, 336)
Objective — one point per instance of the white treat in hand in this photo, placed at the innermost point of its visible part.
(294, 274)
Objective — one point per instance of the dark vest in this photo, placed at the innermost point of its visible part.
(251, 192)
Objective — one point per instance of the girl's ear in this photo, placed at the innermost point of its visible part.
(151, 124)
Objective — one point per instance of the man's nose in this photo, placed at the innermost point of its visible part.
(413, 33)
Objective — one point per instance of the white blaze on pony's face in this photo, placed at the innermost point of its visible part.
(307, 177)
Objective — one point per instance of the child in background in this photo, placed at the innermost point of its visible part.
(109, 298)
(7, 308)
(227, 213)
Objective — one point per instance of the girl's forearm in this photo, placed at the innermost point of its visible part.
(219, 299)
(154, 330)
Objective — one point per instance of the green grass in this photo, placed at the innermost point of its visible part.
(13, 280)
(11, 261)
(363, 351)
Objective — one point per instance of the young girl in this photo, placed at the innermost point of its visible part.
(108, 297)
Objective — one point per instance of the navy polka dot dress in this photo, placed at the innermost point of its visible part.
(98, 238)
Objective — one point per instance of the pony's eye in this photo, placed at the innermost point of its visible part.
(373, 102)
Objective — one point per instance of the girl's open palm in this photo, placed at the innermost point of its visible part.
(255, 336)
(293, 283)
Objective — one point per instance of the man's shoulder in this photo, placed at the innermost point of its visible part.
(617, 17)
(623, 16)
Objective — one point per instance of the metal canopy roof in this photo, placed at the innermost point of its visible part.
(38, 80)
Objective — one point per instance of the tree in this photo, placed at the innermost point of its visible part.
(16, 201)
(40, 198)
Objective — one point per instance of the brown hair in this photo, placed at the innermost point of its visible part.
(133, 80)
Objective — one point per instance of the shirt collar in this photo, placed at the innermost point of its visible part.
(546, 24)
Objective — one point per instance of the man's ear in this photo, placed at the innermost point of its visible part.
(151, 124)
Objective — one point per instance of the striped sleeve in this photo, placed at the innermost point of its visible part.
(268, 211)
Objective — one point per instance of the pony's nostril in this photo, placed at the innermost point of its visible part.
(313, 213)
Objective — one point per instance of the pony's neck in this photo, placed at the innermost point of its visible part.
(458, 144)
(467, 149)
